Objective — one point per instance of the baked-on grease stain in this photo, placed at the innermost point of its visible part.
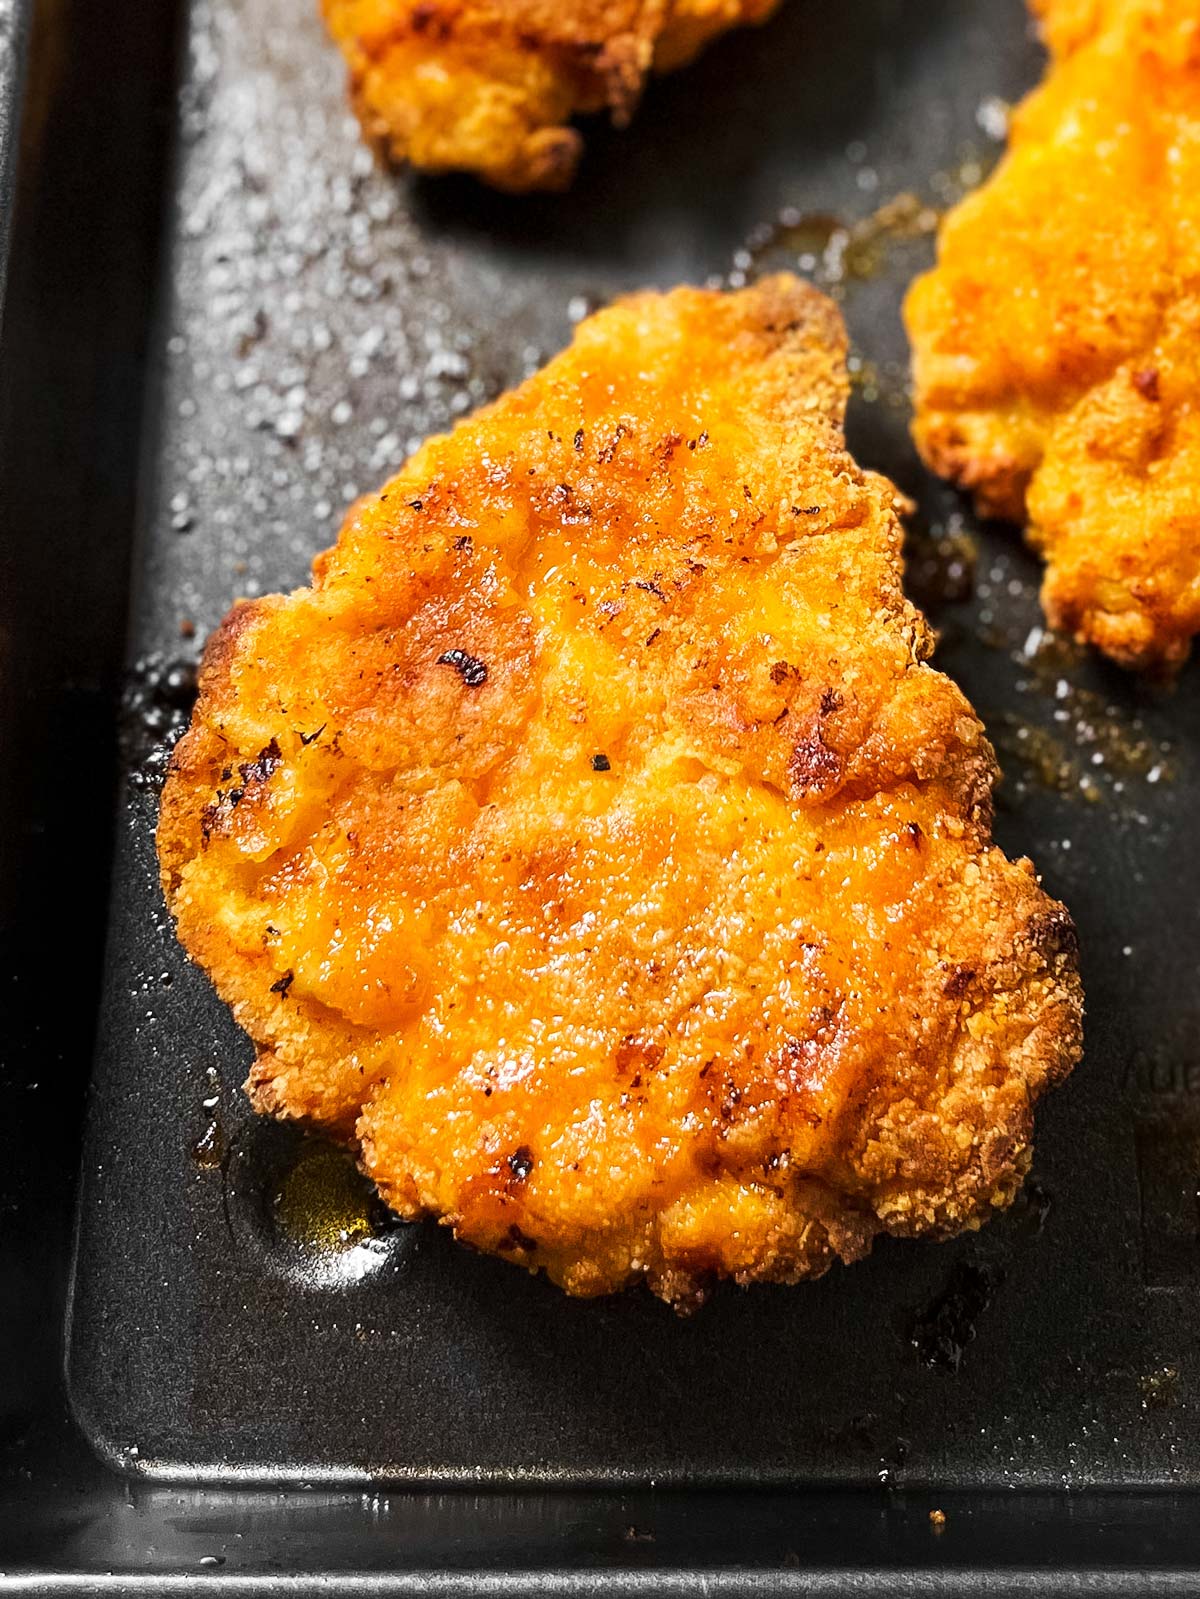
(941, 1332)
(156, 705)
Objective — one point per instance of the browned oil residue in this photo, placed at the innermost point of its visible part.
(835, 253)
(1043, 757)
(832, 250)
(873, 382)
(940, 566)
(209, 1149)
(1160, 1389)
(1089, 745)
(956, 182)
(323, 1202)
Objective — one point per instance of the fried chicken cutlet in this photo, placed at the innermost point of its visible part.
(1057, 341)
(489, 86)
(593, 845)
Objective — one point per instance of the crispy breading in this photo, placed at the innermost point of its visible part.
(1057, 342)
(489, 86)
(594, 845)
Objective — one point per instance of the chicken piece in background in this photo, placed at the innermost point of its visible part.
(489, 86)
(1057, 341)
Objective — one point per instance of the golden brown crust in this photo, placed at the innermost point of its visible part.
(1055, 342)
(488, 86)
(593, 842)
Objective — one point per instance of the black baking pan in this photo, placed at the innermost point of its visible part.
(222, 321)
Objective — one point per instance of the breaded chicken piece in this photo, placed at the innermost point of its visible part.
(1057, 342)
(488, 86)
(593, 845)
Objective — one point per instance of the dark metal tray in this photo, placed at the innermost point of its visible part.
(222, 323)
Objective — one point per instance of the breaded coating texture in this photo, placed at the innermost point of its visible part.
(1057, 342)
(488, 86)
(593, 844)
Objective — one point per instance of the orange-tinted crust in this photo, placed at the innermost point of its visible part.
(489, 86)
(592, 843)
(1057, 342)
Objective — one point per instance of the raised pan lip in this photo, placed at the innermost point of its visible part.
(727, 1582)
(14, 39)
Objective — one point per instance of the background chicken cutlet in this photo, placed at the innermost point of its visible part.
(490, 86)
(1055, 342)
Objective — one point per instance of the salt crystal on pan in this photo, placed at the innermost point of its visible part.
(992, 116)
